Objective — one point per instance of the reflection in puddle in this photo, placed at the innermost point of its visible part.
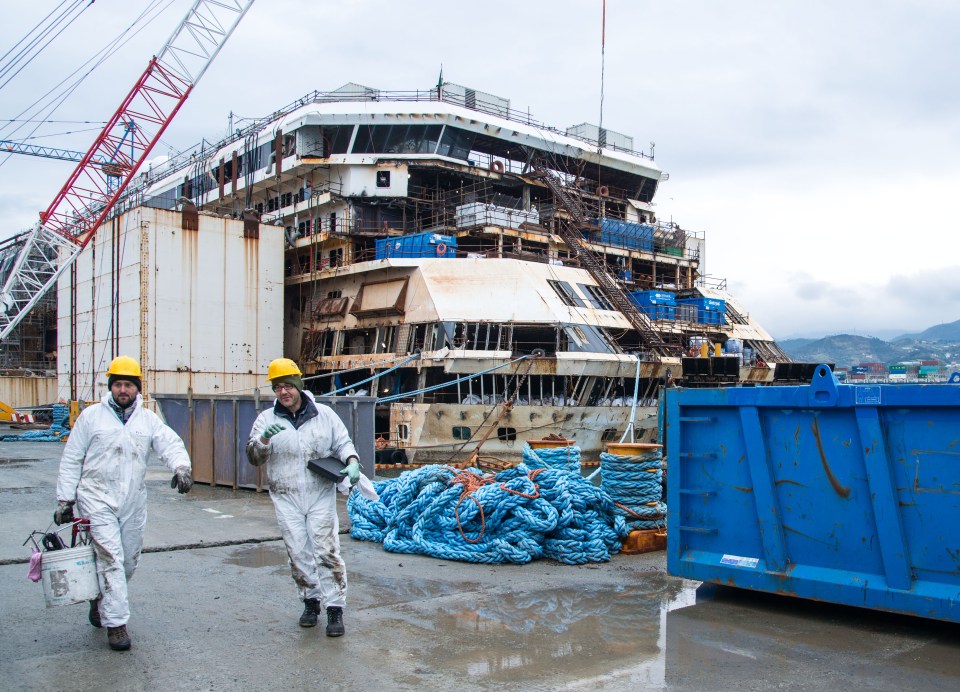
(555, 637)
(260, 555)
(394, 590)
(733, 635)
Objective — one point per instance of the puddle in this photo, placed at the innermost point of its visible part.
(396, 590)
(14, 463)
(552, 637)
(260, 555)
(733, 635)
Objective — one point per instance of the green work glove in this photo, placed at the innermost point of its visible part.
(272, 430)
(353, 470)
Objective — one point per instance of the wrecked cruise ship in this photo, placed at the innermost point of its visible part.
(490, 279)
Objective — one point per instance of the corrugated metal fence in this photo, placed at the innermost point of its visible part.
(216, 427)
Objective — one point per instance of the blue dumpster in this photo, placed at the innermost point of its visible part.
(841, 493)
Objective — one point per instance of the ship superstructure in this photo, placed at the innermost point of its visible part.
(489, 278)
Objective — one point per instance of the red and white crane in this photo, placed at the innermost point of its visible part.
(85, 200)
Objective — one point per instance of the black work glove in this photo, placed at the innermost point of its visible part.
(182, 480)
(63, 514)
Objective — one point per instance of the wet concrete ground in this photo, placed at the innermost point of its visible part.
(224, 617)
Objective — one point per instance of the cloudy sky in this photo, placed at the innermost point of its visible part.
(814, 142)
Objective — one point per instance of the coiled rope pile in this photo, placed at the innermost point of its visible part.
(57, 431)
(518, 515)
(635, 484)
(565, 458)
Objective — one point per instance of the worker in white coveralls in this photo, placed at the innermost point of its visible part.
(102, 472)
(286, 436)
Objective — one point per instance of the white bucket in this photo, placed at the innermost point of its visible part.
(69, 576)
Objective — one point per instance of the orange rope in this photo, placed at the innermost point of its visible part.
(630, 511)
(470, 482)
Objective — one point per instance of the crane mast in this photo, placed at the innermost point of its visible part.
(70, 221)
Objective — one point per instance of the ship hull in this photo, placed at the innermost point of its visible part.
(451, 433)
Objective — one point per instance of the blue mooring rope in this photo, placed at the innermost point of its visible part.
(635, 484)
(518, 515)
(564, 458)
(57, 431)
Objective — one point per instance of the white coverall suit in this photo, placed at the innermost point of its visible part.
(306, 504)
(103, 468)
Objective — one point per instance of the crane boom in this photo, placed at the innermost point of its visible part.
(10, 147)
(90, 193)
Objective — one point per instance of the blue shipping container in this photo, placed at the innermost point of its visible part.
(634, 236)
(709, 310)
(657, 305)
(417, 245)
(834, 492)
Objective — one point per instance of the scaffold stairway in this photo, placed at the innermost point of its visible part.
(593, 263)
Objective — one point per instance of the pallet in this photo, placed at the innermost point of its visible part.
(645, 541)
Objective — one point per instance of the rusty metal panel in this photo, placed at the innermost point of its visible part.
(201, 440)
(28, 391)
(207, 305)
(216, 428)
(248, 475)
(225, 442)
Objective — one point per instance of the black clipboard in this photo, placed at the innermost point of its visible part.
(328, 468)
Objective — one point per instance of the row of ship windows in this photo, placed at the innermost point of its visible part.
(462, 432)
(368, 139)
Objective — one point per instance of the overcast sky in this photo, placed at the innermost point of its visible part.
(814, 143)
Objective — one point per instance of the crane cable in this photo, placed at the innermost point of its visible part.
(55, 100)
(33, 48)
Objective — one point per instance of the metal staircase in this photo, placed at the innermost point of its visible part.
(769, 351)
(593, 263)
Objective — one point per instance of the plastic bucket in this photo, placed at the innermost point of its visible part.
(69, 576)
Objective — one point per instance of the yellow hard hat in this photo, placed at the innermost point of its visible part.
(281, 367)
(124, 365)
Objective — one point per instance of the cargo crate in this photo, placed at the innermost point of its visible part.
(417, 245)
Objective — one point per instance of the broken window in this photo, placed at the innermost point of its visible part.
(456, 144)
(566, 293)
(596, 297)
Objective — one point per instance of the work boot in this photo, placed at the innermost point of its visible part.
(311, 608)
(117, 638)
(335, 621)
(94, 616)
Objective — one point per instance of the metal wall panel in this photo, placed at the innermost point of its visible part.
(210, 302)
(201, 440)
(215, 429)
(28, 391)
(225, 436)
(248, 475)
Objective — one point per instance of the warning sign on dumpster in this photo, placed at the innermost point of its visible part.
(738, 561)
(867, 396)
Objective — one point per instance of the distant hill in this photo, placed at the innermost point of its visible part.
(789, 344)
(845, 350)
(949, 331)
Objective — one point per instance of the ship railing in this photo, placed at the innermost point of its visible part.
(188, 156)
(714, 282)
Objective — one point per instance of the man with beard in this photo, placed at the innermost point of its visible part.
(102, 473)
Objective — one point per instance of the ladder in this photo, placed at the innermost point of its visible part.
(571, 234)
